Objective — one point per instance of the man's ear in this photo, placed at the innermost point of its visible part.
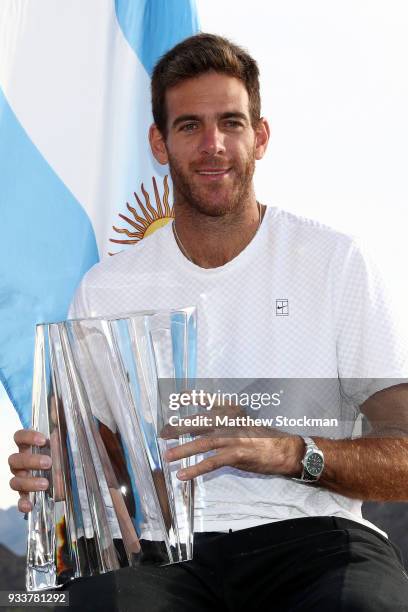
(158, 145)
(262, 135)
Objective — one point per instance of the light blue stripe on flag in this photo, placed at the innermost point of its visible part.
(152, 27)
(47, 244)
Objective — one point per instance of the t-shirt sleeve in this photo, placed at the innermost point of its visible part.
(79, 307)
(372, 344)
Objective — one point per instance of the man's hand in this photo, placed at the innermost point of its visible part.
(25, 460)
(259, 450)
(262, 450)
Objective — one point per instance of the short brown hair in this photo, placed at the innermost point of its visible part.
(197, 55)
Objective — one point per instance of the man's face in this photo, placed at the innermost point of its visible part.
(211, 145)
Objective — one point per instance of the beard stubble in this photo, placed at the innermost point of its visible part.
(200, 199)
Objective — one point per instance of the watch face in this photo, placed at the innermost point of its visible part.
(314, 464)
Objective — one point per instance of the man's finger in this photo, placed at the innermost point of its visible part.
(204, 467)
(24, 438)
(19, 461)
(24, 504)
(172, 432)
(28, 484)
(208, 422)
(21, 473)
(196, 447)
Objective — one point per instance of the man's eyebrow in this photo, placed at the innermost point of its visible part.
(227, 115)
(234, 115)
(182, 118)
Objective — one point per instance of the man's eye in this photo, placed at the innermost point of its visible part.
(232, 123)
(188, 127)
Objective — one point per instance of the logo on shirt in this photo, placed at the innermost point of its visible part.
(282, 308)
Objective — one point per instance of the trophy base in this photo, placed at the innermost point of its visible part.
(41, 578)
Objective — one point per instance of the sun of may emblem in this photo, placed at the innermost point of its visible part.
(149, 219)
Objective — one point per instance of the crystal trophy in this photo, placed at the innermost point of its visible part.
(113, 499)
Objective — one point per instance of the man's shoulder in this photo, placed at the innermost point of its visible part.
(133, 260)
(300, 224)
(300, 234)
(109, 283)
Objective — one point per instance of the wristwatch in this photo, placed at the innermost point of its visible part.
(313, 462)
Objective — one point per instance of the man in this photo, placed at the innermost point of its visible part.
(266, 540)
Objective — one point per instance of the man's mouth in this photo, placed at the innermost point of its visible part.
(209, 172)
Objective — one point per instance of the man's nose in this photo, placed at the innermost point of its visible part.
(212, 141)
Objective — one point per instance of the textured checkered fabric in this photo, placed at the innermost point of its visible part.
(300, 301)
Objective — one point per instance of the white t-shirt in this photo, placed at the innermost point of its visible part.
(300, 301)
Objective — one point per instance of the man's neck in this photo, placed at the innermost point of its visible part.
(210, 242)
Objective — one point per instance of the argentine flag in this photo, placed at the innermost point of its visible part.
(77, 179)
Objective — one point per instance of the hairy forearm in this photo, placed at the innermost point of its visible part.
(366, 468)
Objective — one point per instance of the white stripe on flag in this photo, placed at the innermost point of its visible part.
(83, 97)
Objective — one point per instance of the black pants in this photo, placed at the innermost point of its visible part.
(321, 563)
